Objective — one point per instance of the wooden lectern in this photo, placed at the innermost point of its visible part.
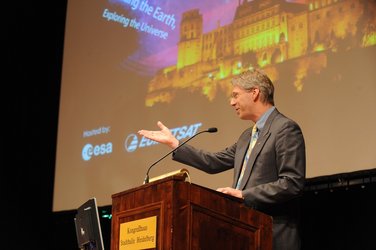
(187, 216)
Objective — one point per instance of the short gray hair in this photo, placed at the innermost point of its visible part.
(256, 78)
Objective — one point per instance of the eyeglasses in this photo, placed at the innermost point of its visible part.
(235, 95)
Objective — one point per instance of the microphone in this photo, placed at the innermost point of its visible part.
(209, 130)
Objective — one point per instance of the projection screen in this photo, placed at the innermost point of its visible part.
(128, 64)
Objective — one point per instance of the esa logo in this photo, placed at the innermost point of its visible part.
(89, 150)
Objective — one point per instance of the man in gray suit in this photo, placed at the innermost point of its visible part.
(274, 172)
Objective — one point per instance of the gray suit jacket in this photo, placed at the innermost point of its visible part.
(275, 174)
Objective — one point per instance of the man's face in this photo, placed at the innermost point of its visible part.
(243, 102)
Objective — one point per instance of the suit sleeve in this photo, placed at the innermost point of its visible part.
(208, 162)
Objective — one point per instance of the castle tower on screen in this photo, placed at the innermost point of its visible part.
(263, 33)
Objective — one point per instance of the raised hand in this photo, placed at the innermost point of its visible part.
(163, 136)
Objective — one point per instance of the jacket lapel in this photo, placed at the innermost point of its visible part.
(263, 137)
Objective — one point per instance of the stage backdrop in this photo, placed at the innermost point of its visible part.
(128, 64)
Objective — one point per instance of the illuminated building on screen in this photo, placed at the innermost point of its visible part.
(263, 33)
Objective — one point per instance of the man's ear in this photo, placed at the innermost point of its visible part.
(255, 92)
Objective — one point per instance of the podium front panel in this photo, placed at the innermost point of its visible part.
(190, 216)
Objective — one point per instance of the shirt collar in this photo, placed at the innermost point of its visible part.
(261, 122)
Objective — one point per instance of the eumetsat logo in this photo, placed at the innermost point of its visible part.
(88, 151)
(132, 142)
